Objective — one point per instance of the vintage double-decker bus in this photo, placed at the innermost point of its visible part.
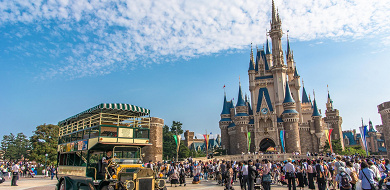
(100, 148)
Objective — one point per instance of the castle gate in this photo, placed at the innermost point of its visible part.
(266, 143)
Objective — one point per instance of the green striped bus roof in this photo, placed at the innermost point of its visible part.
(114, 108)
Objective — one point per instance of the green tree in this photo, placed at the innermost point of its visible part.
(336, 146)
(15, 147)
(44, 141)
(354, 150)
(169, 144)
(184, 151)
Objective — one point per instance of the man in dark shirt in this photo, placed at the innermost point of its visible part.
(223, 170)
(252, 173)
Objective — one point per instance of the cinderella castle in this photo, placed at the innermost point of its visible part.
(277, 103)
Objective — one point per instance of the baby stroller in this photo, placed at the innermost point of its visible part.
(2, 178)
(31, 173)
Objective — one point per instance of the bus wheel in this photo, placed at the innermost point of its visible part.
(62, 185)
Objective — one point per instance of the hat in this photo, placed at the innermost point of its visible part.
(289, 159)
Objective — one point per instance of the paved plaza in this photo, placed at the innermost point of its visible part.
(40, 183)
(37, 183)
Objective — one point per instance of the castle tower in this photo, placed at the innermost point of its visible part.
(279, 69)
(251, 72)
(290, 121)
(306, 108)
(334, 121)
(317, 126)
(241, 121)
(154, 152)
(384, 111)
(223, 124)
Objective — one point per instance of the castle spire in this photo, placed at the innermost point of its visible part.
(274, 19)
(225, 109)
(251, 61)
(315, 109)
(240, 100)
(287, 97)
(329, 102)
(288, 47)
(305, 99)
(267, 48)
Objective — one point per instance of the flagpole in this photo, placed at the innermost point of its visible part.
(177, 149)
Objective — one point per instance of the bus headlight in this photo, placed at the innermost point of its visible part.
(161, 183)
(129, 185)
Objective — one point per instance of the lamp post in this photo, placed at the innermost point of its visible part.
(45, 163)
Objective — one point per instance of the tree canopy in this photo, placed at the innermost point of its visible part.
(15, 148)
(44, 141)
(169, 144)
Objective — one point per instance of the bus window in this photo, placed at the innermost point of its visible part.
(94, 132)
(109, 131)
(79, 135)
(141, 133)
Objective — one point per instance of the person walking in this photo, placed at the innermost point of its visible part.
(182, 175)
(252, 173)
(290, 174)
(300, 171)
(15, 174)
(367, 176)
(311, 174)
(244, 171)
(320, 175)
(343, 179)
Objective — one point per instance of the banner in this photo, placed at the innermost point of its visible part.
(329, 140)
(206, 138)
(363, 135)
(249, 140)
(282, 139)
(178, 142)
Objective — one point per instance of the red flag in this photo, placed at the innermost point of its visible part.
(330, 142)
(223, 86)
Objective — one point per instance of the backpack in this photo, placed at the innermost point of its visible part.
(320, 174)
(354, 177)
(344, 181)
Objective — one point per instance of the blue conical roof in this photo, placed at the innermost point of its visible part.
(296, 72)
(267, 48)
(288, 47)
(287, 97)
(240, 100)
(315, 109)
(251, 65)
(305, 99)
(225, 109)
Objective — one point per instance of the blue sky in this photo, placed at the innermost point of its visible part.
(61, 57)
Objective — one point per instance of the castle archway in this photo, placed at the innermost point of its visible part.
(266, 143)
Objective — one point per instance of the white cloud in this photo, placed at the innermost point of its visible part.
(99, 36)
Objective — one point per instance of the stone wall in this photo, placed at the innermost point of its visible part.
(384, 111)
(154, 152)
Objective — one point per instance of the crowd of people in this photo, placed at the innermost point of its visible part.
(14, 170)
(338, 172)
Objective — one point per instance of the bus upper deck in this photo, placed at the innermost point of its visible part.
(105, 123)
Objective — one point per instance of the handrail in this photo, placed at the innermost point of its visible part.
(95, 171)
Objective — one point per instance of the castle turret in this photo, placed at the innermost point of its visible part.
(319, 133)
(291, 69)
(268, 53)
(334, 121)
(290, 121)
(223, 124)
(241, 120)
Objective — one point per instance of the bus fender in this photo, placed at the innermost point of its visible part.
(74, 183)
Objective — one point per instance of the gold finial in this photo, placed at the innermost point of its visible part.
(314, 94)
(303, 83)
